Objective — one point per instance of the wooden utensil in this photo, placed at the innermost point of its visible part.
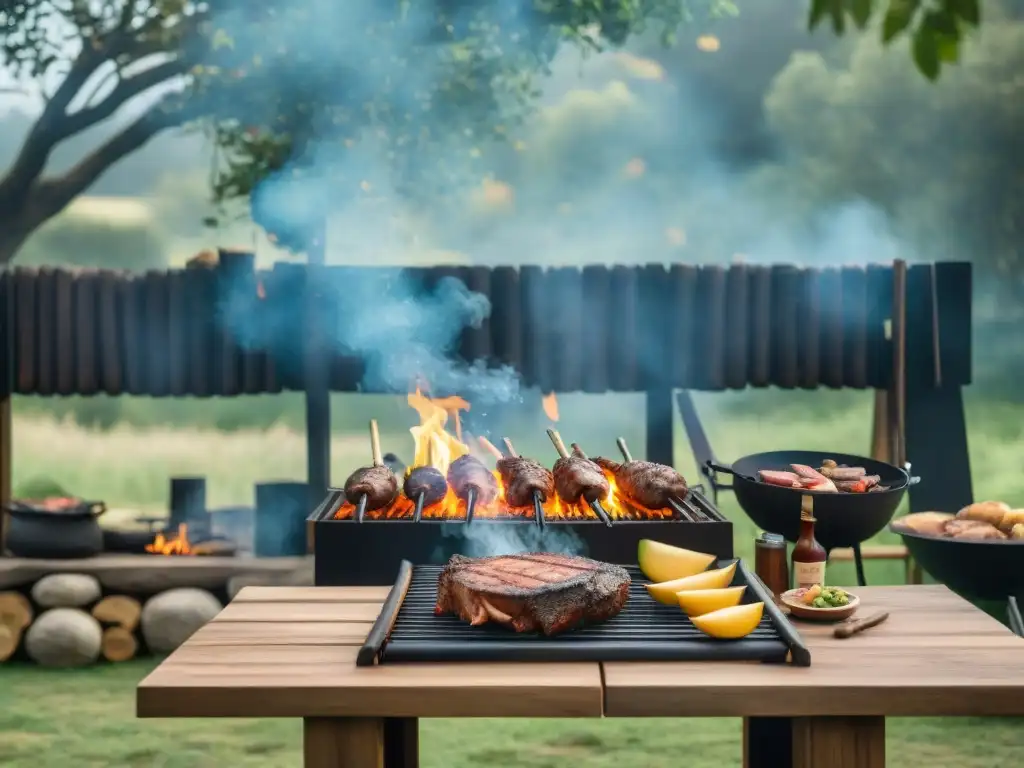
(852, 627)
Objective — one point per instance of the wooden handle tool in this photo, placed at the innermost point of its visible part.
(853, 626)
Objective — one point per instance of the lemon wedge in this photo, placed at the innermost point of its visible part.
(662, 562)
(730, 623)
(665, 592)
(697, 602)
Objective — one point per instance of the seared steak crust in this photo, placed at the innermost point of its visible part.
(541, 591)
(521, 477)
(378, 484)
(646, 483)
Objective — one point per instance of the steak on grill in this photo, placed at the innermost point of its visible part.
(521, 477)
(648, 484)
(378, 484)
(540, 591)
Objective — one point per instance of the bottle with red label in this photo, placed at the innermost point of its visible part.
(808, 555)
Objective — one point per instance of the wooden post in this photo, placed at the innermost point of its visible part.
(317, 375)
(660, 423)
(188, 503)
(6, 390)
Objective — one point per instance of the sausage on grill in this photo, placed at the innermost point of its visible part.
(378, 484)
(469, 472)
(648, 484)
(521, 477)
(576, 476)
(426, 480)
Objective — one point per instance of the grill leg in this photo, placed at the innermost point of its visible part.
(814, 742)
(343, 742)
(858, 561)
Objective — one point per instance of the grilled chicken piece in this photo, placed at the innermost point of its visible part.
(378, 484)
(648, 484)
(577, 477)
(521, 477)
(469, 472)
(426, 480)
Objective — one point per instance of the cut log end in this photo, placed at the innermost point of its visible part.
(15, 611)
(118, 644)
(118, 611)
(9, 640)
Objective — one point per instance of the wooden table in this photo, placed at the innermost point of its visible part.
(290, 652)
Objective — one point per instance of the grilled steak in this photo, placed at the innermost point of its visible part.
(648, 484)
(378, 484)
(531, 592)
(521, 477)
(428, 481)
(576, 476)
(468, 472)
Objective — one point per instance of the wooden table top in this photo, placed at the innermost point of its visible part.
(290, 652)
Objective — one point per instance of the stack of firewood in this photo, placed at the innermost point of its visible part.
(66, 621)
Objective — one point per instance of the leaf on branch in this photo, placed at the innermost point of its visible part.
(968, 11)
(838, 14)
(819, 9)
(926, 53)
(860, 11)
(898, 18)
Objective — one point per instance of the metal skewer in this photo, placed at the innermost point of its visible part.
(470, 504)
(378, 461)
(418, 514)
(538, 499)
(595, 505)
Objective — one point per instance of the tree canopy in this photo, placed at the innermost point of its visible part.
(287, 88)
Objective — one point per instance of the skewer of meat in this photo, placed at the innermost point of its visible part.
(652, 485)
(425, 485)
(525, 480)
(578, 477)
(472, 482)
(649, 484)
(375, 486)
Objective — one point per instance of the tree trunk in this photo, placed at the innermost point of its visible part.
(15, 228)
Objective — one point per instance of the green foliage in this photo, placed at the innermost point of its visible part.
(39, 488)
(936, 29)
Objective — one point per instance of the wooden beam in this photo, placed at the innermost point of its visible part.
(6, 392)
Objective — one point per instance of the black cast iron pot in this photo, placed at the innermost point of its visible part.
(979, 570)
(843, 519)
(59, 534)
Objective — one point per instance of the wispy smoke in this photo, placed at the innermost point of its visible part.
(484, 540)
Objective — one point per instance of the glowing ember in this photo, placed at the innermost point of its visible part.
(434, 445)
(175, 545)
(550, 405)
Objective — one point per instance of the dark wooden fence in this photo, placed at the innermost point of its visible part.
(596, 329)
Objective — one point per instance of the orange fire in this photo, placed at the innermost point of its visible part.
(175, 545)
(550, 405)
(435, 446)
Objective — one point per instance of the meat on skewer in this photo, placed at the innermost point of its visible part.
(467, 473)
(649, 484)
(376, 484)
(577, 477)
(523, 477)
(428, 482)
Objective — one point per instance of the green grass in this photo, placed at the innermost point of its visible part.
(85, 718)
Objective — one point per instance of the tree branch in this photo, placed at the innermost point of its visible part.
(53, 194)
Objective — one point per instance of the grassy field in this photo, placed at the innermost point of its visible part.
(86, 718)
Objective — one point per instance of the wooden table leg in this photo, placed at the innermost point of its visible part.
(402, 742)
(814, 742)
(839, 742)
(343, 742)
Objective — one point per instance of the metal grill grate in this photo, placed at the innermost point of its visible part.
(644, 631)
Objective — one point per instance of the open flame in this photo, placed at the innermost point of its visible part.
(438, 440)
(550, 405)
(176, 544)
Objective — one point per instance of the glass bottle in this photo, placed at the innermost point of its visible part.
(808, 555)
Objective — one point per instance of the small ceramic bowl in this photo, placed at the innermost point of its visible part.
(801, 610)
